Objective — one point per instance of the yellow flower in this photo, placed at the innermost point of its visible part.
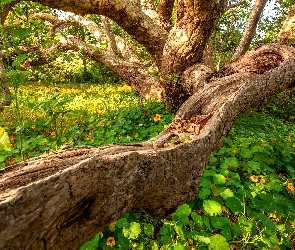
(262, 181)
(290, 186)
(254, 178)
(111, 241)
(166, 126)
(157, 118)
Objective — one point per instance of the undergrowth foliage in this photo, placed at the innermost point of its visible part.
(245, 197)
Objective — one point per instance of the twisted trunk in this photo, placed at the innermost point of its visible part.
(62, 200)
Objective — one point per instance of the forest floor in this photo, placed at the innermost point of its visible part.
(246, 195)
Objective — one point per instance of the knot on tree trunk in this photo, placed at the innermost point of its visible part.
(260, 60)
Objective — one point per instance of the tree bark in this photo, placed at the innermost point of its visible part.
(250, 29)
(287, 30)
(126, 13)
(61, 200)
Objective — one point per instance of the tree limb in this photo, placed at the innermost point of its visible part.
(250, 29)
(141, 27)
(234, 5)
(165, 10)
(110, 34)
(65, 198)
(287, 30)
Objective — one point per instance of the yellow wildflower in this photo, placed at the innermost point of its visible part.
(111, 241)
(157, 118)
(254, 178)
(290, 186)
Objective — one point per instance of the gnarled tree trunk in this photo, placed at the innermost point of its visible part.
(62, 200)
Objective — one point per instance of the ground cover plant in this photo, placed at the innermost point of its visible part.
(44, 117)
(245, 198)
(246, 195)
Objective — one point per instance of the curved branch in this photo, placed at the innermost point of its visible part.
(234, 5)
(110, 34)
(287, 30)
(165, 10)
(126, 14)
(5, 10)
(63, 199)
(250, 29)
(132, 72)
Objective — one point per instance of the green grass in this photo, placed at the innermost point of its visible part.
(246, 195)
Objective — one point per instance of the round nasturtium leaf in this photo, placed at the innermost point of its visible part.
(218, 242)
(212, 207)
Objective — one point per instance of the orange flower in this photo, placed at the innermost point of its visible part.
(262, 181)
(227, 178)
(288, 138)
(111, 241)
(102, 125)
(157, 118)
(88, 138)
(290, 186)
(12, 138)
(15, 145)
(120, 137)
(235, 151)
(254, 178)
(262, 144)
(199, 211)
(52, 134)
(11, 161)
(34, 128)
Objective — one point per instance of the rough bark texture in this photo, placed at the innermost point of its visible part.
(250, 28)
(126, 13)
(288, 28)
(62, 200)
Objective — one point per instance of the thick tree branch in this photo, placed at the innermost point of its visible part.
(110, 34)
(250, 29)
(126, 14)
(195, 23)
(132, 72)
(288, 29)
(5, 10)
(234, 5)
(63, 199)
(165, 10)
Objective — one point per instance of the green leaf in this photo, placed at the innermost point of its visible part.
(235, 205)
(269, 225)
(179, 231)
(4, 140)
(197, 218)
(148, 229)
(219, 179)
(254, 165)
(212, 207)
(22, 33)
(246, 153)
(218, 242)
(204, 192)
(227, 233)
(226, 193)
(133, 231)
(220, 222)
(230, 162)
(122, 223)
(181, 214)
(91, 244)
